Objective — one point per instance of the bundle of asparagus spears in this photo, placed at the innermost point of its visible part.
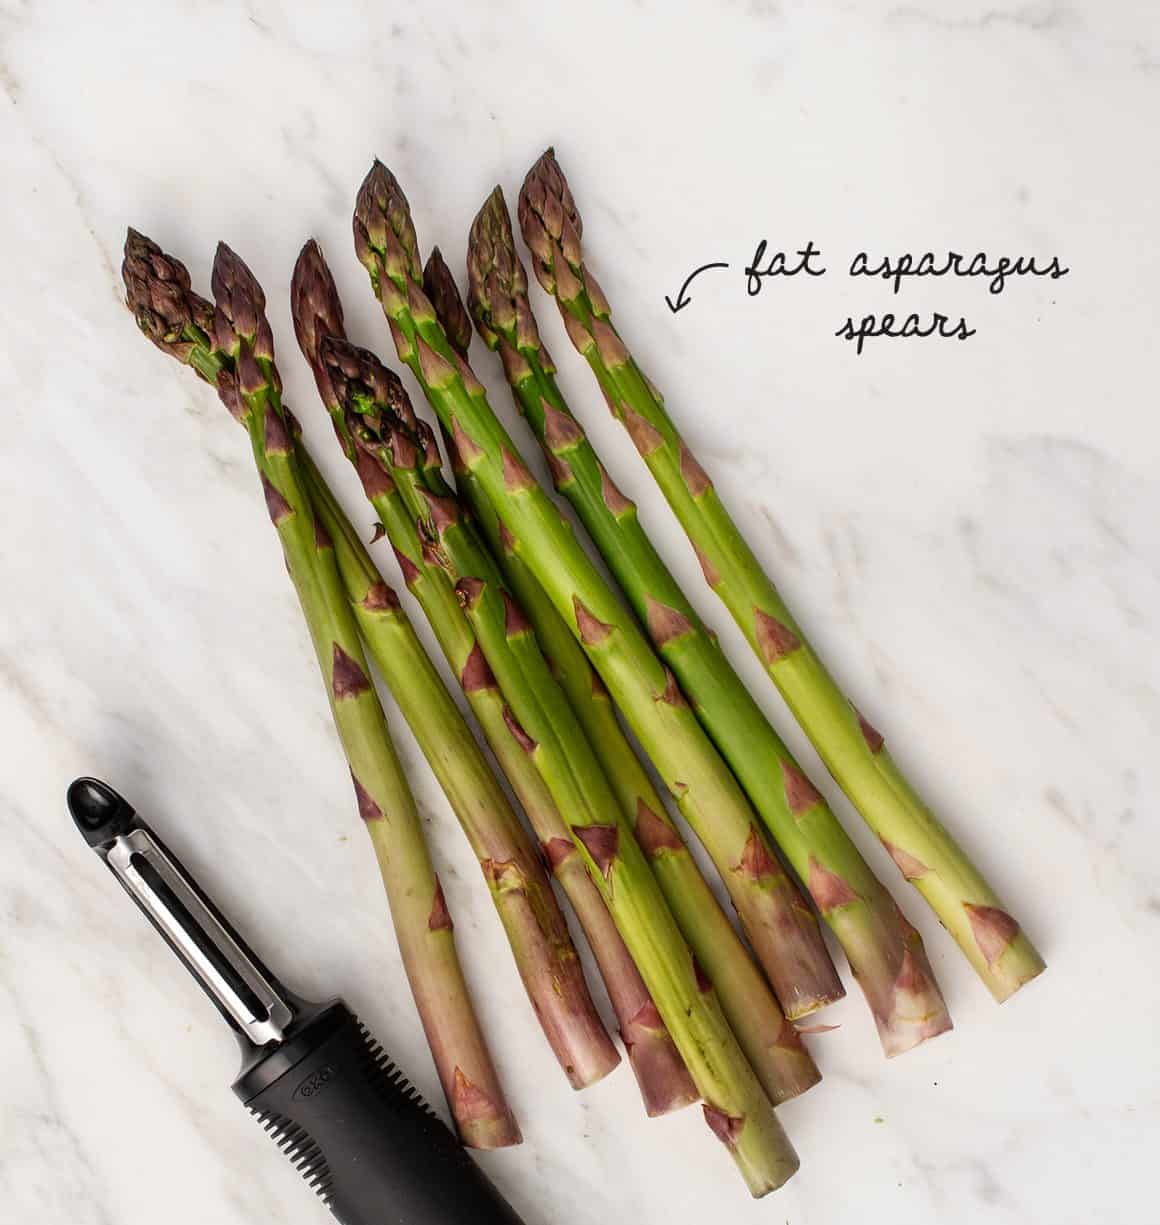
(550, 657)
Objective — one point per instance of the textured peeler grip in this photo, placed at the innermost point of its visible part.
(361, 1135)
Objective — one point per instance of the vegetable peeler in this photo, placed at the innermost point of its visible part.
(311, 1074)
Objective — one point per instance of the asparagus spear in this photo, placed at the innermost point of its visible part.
(575, 781)
(510, 651)
(854, 752)
(230, 346)
(772, 1045)
(780, 926)
(735, 1107)
(656, 1064)
(885, 952)
(535, 927)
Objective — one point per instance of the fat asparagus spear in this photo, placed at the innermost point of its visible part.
(373, 412)
(854, 752)
(535, 926)
(772, 1045)
(779, 924)
(663, 1080)
(379, 416)
(885, 951)
(735, 1106)
(230, 346)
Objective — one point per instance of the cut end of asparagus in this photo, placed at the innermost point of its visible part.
(890, 963)
(481, 1122)
(664, 1081)
(916, 1007)
(734, 1132)
(440, 287)
(1011, 959)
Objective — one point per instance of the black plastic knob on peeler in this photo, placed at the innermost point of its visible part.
(320, 1084)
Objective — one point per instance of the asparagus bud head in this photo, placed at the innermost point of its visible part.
(384, 235)
(439, 286)
(316, 310)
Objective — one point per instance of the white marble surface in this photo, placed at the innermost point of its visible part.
(969, 528)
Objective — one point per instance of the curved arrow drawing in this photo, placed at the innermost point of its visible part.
(682, 299)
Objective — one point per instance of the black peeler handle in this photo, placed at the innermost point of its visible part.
(361, 1135)
(346, 1117)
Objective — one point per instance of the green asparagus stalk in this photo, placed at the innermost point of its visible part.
(230, 346)
(777, 921)
(853, 751)
(771, 1044)
(535, 926)
(656, 1064)
(885, 951)
(512, 655)
(686, 1000)
(735, 1106)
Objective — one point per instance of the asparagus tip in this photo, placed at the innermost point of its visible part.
(440, 287)
(384, 233)
(497, 295)
(158, 293)
(315, 307)
(240, 324)
(362, 386)
(548, 218)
